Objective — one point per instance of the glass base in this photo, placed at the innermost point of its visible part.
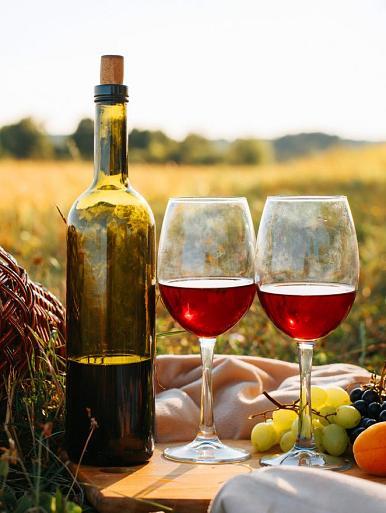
(204, 450)
(307, 458)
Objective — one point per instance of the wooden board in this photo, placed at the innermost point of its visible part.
(187, 488)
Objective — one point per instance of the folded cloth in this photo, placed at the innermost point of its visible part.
(238, 383)
(299, 490)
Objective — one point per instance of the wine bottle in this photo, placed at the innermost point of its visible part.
(110, 298)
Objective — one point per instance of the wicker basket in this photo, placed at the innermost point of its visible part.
(25, 308)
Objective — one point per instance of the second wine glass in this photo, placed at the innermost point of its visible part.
(307, 270)
(206, 280)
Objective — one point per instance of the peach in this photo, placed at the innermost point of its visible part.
(370, 449)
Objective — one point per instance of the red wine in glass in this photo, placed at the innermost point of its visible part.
(306, 311)
(207, 307)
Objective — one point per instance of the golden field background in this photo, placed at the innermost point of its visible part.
(33, 231)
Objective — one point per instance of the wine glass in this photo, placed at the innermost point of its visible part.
(307, 270)
(206, 280)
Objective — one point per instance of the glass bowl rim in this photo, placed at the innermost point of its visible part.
(207, 199)
(307, 198)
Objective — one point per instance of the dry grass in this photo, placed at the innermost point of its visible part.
(33, 231)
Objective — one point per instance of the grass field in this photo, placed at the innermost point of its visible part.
(32, 230)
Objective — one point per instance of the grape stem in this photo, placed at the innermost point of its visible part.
(382, 381)
(280, 406)
(294, 406)
(376, 383)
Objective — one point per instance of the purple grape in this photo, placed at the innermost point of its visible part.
(382, 416)
(356, 433)
(356, 394)
(370, 396)
(363, 422)
(369, 422)
(361, 406)
(383, 405)
(373, 410)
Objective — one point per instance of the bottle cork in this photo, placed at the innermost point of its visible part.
(111, 69)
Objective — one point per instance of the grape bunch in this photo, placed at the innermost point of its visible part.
(370, 402)
(334, 421)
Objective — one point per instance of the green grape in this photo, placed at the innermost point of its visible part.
(318, 437)
(318, 397)
(335, 439)
(331, 412)
(283, 419)
(263, 436)
(277, 431)
(336, 396)
(316, 423)
(287, 441)
(347, 416)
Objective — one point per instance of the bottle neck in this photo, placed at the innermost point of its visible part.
(110, 146)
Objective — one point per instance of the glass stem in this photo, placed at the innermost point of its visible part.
(207, 427)
(305, 438)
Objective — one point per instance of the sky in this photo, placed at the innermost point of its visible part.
(226, 69)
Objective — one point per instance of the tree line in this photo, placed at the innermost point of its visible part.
(26, 139)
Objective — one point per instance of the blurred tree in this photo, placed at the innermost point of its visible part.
(140, 139)
(151, 146)
(196, 149)
(84, 138)
(249, 151)
(25, 139)
(161, 148)
(292, 146)
(65, 148)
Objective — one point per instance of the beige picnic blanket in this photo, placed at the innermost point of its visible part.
(238, 382)
(299, 490)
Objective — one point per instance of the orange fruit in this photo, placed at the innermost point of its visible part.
(370, 449)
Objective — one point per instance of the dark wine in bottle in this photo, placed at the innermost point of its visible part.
(110, 299)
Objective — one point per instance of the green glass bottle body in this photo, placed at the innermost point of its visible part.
(110, 308)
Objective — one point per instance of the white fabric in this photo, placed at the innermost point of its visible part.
(297, 490)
